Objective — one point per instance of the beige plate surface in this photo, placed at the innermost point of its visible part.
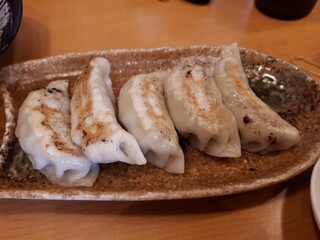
(286, 88)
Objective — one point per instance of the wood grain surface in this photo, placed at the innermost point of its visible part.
(48, 28)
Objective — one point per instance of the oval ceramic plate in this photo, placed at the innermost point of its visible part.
(286, 88)
(315, 192)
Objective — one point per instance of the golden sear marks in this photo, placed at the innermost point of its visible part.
(244, 90)
(92, 129)
(153, 89)
(213, 111)
(53, 119)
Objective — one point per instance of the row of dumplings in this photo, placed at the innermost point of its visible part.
(206, 99)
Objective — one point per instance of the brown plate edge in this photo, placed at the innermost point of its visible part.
(76, 194)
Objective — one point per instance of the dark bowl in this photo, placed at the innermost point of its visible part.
(10, 19)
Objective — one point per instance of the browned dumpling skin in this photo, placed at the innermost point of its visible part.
(43, 130)
(94, 125)
(143, 112)
(261, 129)
(195, 106)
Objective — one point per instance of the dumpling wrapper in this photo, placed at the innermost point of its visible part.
(196, 109)
(261, 129)
(143, 112)
(43, 130)
(94, 126)
(8, 125)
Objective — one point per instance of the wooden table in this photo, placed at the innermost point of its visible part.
(52, 27)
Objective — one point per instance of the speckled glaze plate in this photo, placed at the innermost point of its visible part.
(285, 87)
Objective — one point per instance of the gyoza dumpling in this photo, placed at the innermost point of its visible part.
(196, 109)
(261, 129)
(8, 125)
(43, 130)
(143, 112)
(94, 126)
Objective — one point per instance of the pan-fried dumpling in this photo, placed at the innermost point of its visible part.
(261, 129)
(196, 109)
(43, 130)
(8, 125)
(94, 126)
(143, 112)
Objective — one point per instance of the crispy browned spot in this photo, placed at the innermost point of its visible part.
(154, 86)
(55, 116)
(83, 99)
(242, 87)
(247, 119)
(215, 112)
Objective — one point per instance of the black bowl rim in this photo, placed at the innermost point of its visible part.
(17, 9)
